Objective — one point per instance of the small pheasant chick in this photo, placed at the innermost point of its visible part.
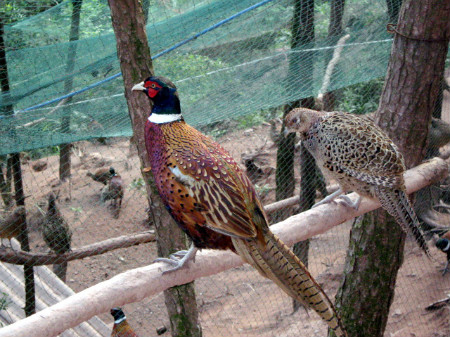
(356, 153)
(121, 327)
(11, 226)
(56, 232)
(102, 175)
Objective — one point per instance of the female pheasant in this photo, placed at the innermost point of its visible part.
(214, 202)
(355, 152)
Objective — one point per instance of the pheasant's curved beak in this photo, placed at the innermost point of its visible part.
(138, 87)
(287, 131)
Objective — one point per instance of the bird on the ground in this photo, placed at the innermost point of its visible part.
(102, 175)
(114, 191)
(11, 225)
(356, 153)
(443, 244)
(121, 327)
(215, 204)
(56, 232)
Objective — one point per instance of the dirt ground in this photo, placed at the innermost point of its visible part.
(235, 303)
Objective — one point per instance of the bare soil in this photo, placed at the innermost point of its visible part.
(235, 303)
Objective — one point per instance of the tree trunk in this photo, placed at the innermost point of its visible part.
(16, 170)
(135, 62)
(335, 31)
(412, 83)
(393, 7)
(302, 35)
(6, 181)
(64, 149)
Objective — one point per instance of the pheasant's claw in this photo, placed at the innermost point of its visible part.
(329, 198)
(345, 200)
(178, 259)
(178, 255)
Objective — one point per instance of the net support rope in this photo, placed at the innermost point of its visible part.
(168, 50)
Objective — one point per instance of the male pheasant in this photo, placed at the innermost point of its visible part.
(121, 327)
(355, 152)
(214, 202)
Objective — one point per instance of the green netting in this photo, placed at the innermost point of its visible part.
(239, 68)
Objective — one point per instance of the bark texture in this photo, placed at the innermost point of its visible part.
(335, 30)
(412, 82)
(16, 170)
(135, 61)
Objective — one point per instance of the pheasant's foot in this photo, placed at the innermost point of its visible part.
(329, 198)
(345, 199)
(178, 259)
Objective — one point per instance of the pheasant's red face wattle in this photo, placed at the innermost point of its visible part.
(152, 88)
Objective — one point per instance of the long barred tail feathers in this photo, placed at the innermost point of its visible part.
(397, 204)
(277, 262)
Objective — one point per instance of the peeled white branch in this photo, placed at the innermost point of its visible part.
(137, 284)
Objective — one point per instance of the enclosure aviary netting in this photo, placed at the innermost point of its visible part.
(233, 69)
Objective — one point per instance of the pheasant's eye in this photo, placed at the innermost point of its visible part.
(153, 85)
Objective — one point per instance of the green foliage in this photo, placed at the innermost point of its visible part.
(361, 98)
(4, 301)
(43, 152)
(138, 185)
(257, 118)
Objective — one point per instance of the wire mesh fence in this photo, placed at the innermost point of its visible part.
(63, 103)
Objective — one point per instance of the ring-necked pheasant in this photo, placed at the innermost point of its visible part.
(103, 175)
(114, 191)
(214, 202)
(355, 152)
(121, 327)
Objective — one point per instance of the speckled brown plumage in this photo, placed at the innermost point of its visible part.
(214, 202)
(357, 154)
(56, 232)
(11, 225)
(103, 175)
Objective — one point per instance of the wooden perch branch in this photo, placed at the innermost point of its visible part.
(136, 284)
(38, 259)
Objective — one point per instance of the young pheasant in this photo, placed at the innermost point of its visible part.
(56, 232)
(121, 327)
(103, 175)
(214, 202)
(11, 226)
(357, 154)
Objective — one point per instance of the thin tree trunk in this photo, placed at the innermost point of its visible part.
(393, 7)
(376, 245)
(302, 34)
(30, 301)
(135, 62)
(5, 181)
(335, 31)
(64, 149)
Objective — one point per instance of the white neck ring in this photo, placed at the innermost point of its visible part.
(164, 118)
(447, 247)
(120, 320)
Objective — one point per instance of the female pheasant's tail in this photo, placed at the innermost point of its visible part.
(276, 261)
(397, 204)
